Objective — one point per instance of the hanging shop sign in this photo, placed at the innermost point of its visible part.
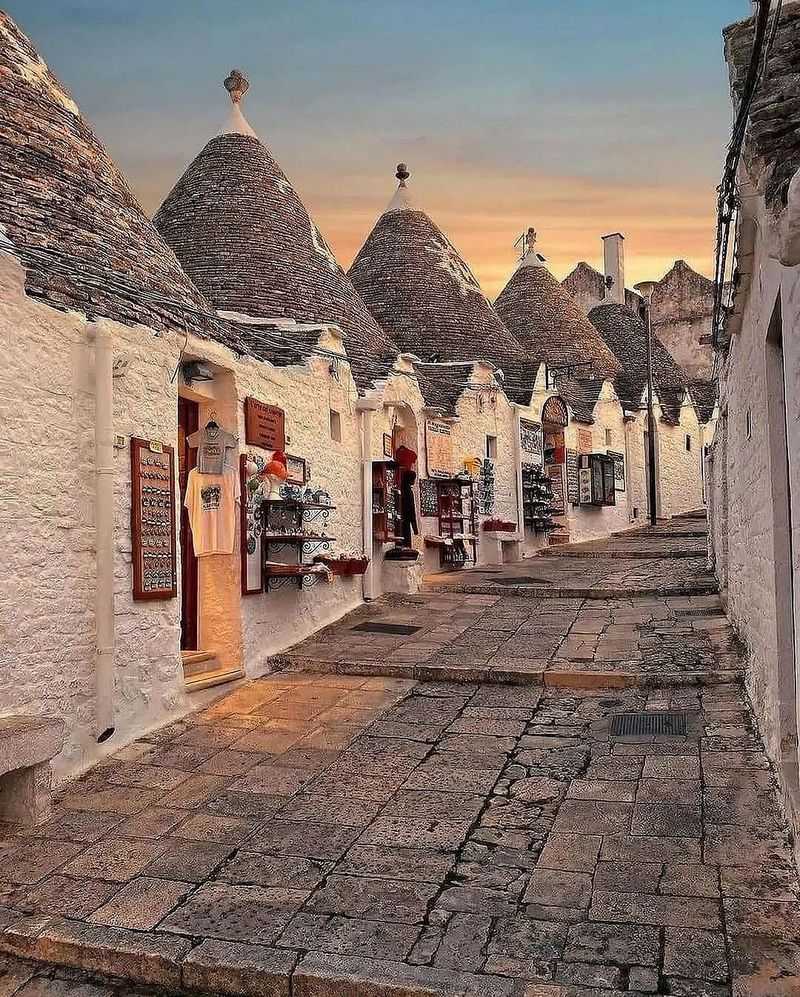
(388, 450)
(428, 497)
(486, 487)
(439, 449)
(554, 412)
(556, 474)
(585, 486)
(584, 441)
(619, 470)
(153, 545)
(531, 439)
(573, 490)
(264, 425)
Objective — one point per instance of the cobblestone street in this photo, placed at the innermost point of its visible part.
(406, 834)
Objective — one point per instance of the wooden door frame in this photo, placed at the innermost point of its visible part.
(188, 423)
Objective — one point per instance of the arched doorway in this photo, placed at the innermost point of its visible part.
(555, 418)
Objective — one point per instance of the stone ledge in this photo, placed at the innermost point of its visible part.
(326, 975)
(142, 957)
(28, 740)
(239, 969)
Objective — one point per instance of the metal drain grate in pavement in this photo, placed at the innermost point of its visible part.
(387, 628)
(642, 724)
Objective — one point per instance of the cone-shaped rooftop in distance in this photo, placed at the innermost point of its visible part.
(424, 295)
(245, 238)
(549, 322)
(84, 239)
(626, 335)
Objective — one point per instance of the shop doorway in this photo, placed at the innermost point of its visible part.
(555, 418)
(188, 423)
(784, 518)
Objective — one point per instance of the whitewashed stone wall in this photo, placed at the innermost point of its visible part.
(747, 540)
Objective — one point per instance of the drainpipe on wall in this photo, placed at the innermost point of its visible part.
(104, 529)
(627, 424)
(367, 406)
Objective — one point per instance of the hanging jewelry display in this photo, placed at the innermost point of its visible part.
(153, 541)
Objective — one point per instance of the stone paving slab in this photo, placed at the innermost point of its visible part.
(536, 854)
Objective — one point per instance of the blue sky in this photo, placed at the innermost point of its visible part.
(577, 117)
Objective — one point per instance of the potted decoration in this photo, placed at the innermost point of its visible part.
(344, 564)
(495, 525)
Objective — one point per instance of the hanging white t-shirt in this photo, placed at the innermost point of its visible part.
(211, 502)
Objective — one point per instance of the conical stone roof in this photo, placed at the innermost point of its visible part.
(243, 235)
(423, 294)
(85, 241)
(626, 335)
(549, 322)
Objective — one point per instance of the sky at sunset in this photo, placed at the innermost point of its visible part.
(578, 117)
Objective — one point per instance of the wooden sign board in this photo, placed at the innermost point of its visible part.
(439, 449)
(573, 492)
(584, 441)
(619, 470)
(264, 425)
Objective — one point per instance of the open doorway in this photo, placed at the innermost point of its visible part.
(188, 423)
(783, 516)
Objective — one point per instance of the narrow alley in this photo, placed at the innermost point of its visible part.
(455, 809)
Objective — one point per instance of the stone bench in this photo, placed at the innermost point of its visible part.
(501, 547)
(26, 746)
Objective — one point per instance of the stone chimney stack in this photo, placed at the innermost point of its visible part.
(614, 266)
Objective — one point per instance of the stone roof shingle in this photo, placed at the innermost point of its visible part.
(245, 238)
(773, 137)
(626, 335)
(426, 298)
(84, 239)
(549, 323)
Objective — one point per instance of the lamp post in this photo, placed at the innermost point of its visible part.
(645, 288)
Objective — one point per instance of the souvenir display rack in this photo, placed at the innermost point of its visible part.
(386, 524)
(457, 518)
(537, 499)
(285, 525)
(153, 539)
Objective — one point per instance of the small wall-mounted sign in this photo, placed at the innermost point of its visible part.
(296, 470)
(119, 441)
(264, 425)
(387, 445)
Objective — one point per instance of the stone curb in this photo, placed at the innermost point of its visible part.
(574, 678)
(631, 555)
(548, 592)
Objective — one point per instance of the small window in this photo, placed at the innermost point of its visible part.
(336, 426)
(608, 438)
(748, 424)
(491, 447)
(688, 443)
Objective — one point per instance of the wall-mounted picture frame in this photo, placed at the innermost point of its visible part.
(387, 445)
(295, 470)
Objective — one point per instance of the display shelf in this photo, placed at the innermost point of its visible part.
(284, 522)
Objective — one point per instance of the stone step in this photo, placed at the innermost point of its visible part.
(565, 674)
(631, 553)
(547, 591)
(216, 676)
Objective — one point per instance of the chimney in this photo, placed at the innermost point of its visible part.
(614, 266)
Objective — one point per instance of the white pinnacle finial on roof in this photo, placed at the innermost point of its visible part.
(530, 258)
(237, 85)
(401, 200)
